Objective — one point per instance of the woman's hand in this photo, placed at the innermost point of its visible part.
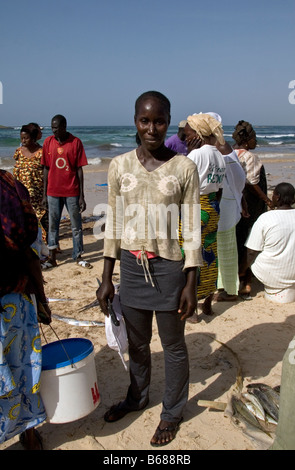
(44, 313)
(269, 203)
(193, 143)
(105, 293)
(188, 299)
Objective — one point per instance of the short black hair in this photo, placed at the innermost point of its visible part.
(32, 131)
(153, 94)
(286, 192)
(60, 118)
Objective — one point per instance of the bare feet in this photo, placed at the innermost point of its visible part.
(193, 318)
(31, 440)
(207, 305)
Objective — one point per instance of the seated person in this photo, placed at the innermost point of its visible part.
(271, 247)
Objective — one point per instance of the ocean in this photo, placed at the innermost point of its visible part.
(105, 142)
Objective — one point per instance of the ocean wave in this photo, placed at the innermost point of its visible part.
(276, 143)
(94, 161)
(275, 136)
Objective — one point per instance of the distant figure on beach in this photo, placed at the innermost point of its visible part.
(29, 170)
(63, 160)
(255, 193)
(271, 246)
(154, 276)
(202, 131)
(230, 214)
(177, 141)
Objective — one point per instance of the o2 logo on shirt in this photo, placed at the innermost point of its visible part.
(61, 164)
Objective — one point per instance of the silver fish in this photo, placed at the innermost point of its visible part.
(272, 394)
(73, 321)
(242, 411)
(256, 408)
(268, 405)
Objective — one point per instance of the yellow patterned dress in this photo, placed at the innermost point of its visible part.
(29, 171)
(208, 272)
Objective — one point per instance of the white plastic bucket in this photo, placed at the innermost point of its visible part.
(282, 296)
(68, 380)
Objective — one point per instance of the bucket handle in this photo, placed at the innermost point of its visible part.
(70, 360)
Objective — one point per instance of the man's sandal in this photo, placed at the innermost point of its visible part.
(158, 438)
(118, 411)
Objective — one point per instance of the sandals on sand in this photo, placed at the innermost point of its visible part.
(24, 440)
(164, 436)
(161, 437)
(84, 264)
(118, 411)
(48, 265)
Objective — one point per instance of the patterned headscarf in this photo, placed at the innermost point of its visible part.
(205, 125)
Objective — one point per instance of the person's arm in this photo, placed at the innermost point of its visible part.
(261, 195)
(251, 257)
(188, 298)
(82, 203)
(106, 290)
(36, 285)
(219, 195)
(45, 185)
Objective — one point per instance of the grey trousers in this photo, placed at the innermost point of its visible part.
(171, 332)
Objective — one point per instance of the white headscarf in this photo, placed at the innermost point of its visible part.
(205, 125)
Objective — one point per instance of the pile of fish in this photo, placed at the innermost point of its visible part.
(259, 406)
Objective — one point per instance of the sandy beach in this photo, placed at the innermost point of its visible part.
(251, 335)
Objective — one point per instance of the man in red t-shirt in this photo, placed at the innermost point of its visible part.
(63, 160)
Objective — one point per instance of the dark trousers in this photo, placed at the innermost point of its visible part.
(171, 332)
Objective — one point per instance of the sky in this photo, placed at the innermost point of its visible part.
(90, 59)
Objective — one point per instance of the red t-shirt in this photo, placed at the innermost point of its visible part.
(63, 160)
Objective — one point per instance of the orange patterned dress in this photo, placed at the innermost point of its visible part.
(29, 171)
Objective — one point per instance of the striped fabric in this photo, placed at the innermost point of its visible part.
(228, 278)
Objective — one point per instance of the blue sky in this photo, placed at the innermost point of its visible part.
(90, 59)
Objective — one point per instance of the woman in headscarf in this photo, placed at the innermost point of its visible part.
(21, 296)
(255, 194)
(29, 171)
(202, 131)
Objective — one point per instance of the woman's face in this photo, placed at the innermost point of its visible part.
(26, 139)
(152, 121)
(189, 133)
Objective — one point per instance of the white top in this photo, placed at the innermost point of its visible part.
(273, 234)
(231, 201)
(211, 168)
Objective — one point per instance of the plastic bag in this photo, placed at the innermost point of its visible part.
(117, 335)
